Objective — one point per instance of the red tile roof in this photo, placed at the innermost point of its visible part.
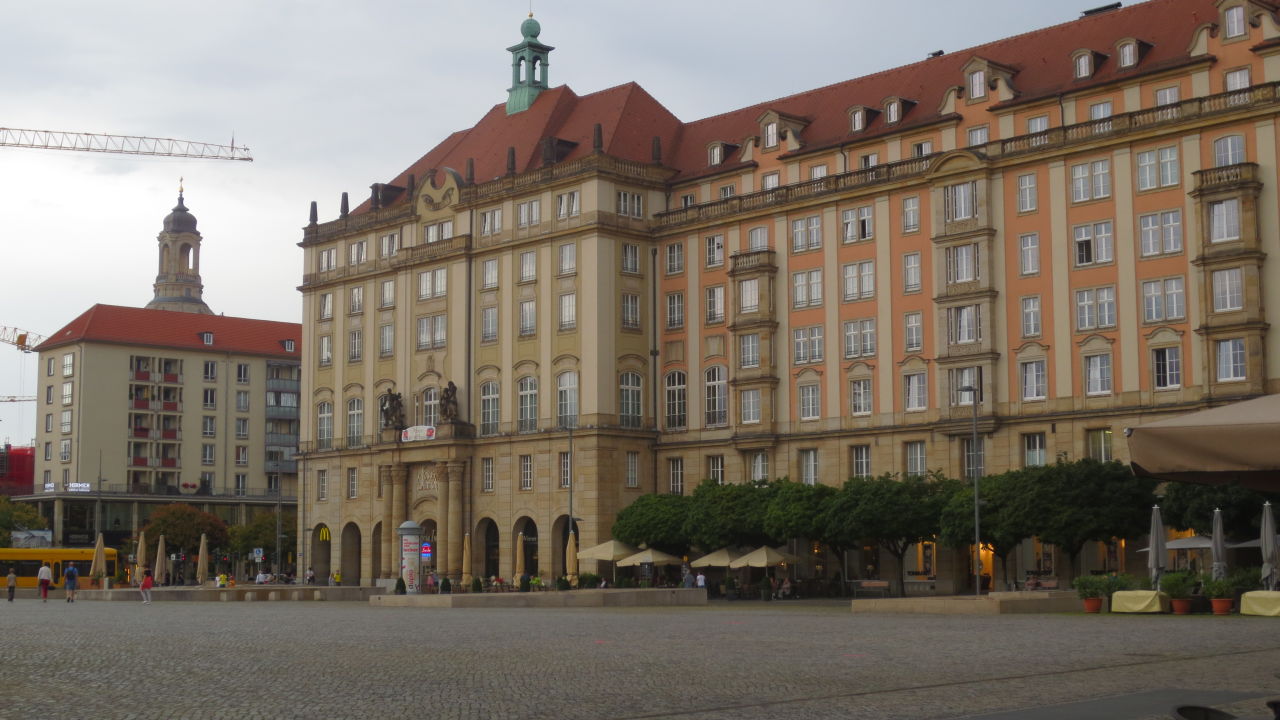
(179, 330)
(631, 117)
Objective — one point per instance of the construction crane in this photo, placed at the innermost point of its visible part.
(17, 398)
(121, 144)
(24, 340)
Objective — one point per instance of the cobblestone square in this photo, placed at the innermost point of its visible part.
(735, 660)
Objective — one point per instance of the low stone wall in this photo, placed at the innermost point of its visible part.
(248, 593)
(996, 603)
(664, 597)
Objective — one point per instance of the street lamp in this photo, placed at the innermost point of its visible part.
(973, 468)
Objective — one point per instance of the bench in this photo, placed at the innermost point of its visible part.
(1045, 583)
(880, 587)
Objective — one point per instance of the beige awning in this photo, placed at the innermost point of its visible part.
(650, 556)
(763, 557)
(610, 551)
(1233, 443)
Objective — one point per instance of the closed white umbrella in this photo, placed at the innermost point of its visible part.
(1218, 550)
(202, 563)
(1155, 559)
(141, 566)
(1268, 544)
(162, 563)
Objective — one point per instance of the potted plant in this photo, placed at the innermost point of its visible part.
(1220, 593)
(1178, 586)
(477, 585)
(1090, 589)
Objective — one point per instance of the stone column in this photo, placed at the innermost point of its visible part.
(397, 502)
(58, 504)
(387, 486)
(455, 520)
(444, 538)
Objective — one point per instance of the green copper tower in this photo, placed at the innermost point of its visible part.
(528, 68)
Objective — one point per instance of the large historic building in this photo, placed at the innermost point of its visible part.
(141, 407)
(1062, 234)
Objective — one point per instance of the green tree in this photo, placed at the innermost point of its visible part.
(657, 521)
(1189, 506)
(1003, 523)
(17, 516)
(182, 525)
(721, 515)
(894, 513)
(1071, 503)
(261, 533)
(795, 510)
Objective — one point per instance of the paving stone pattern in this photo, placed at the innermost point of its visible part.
(806, 659)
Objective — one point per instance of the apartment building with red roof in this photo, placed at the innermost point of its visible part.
(138, 408)
(991, 258)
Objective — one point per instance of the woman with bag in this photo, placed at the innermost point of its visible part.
(145, 587)
(45, 576)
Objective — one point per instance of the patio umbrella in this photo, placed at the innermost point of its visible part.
(519, 557)
(1219, 547)
(1195, 542)
(610, 551)
(1233, 443)
(99, 566)
(763, 557)
(202, 564)
(466, 560)
(571, 557)
(651, 557)
(719, 558)
(1155, 560)
(162, 561)
(1268, 544)
(140, 563)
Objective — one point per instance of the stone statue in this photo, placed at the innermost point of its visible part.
(449, 403)
(392, 411)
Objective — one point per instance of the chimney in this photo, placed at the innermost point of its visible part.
(343, 209)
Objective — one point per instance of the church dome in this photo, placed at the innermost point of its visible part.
(180, 221)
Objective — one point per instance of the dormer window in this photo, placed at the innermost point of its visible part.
(1233, 19)
(1083, 65)
(893, 112)
(715, 155)
(977, 84)
(858, 120)
(288, 346)
(771, 135)
(206, 338)
(1128, 54)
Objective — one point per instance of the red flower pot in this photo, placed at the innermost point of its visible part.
(1221, 606)
(1093, 605)
(1181, 606)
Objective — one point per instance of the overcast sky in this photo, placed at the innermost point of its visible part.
(332, 96)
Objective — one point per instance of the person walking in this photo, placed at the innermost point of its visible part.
(71, 580)
(145, 587)
(12, 582)
(45, 577)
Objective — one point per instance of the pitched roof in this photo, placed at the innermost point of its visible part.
(630, 117)
(179, 330)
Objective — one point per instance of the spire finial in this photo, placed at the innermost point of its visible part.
(180, 185)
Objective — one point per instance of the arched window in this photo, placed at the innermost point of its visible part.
(489, 408)
(629, 400)
(567, 399)
(527, 389)
(355, 422)
(676, 400)
(1228, 150)
(430, 406)
(324, 426)
(717, 403)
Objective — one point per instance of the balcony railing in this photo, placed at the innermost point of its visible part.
(752, 260)
(282, 412)
(283, 385)
(1226, 176)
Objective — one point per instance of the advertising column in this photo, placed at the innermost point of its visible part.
(410, 534)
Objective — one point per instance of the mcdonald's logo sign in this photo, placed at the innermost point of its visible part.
(324, 533)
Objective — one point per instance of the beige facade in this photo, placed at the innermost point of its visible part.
(782, 302)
